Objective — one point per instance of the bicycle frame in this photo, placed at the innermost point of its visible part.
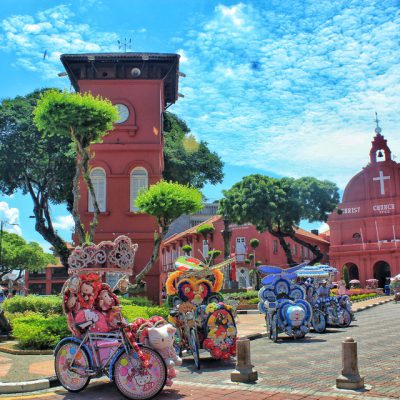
(117, 342)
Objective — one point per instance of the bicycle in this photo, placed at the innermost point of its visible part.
(187, 336)
(139, 372)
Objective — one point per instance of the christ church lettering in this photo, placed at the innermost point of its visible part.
(383, 208)
(351, 210)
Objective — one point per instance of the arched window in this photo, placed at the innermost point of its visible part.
(98, 177)
(139, 180)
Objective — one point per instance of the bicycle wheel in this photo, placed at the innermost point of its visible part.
(194, 347)
(318, 321)
(68, 353)
(136, 382)
(273, 335)
(346, 318)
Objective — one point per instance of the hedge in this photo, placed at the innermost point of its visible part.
(34, 331)
(44, 305)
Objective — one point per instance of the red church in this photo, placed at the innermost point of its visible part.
(365, 231)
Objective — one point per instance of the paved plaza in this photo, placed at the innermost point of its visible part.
(288, 369)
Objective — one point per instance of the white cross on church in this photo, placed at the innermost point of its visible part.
(381, 180)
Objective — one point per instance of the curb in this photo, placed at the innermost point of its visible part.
(373, 305)
(17, 352)
(29, 386)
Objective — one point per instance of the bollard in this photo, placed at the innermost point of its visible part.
(350, 377)
(244, 370)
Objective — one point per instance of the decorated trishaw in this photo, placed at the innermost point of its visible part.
(102, 343)
(283, 303)
(395, 287)
(327, 309)
(197, 309)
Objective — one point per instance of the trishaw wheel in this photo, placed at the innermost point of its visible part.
(274, 328)
(136, 382)
(318, 321)
(194, 347)
(346, 318)
(67, 353)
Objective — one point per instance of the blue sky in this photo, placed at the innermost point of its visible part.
(280, 88)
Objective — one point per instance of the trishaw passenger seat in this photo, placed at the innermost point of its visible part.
(82, 326)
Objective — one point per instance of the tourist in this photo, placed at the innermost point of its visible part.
(324, 289)
(341, 287)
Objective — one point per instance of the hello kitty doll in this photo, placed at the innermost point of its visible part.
(161, 338)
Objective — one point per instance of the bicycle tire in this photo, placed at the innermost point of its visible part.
(135, 382)
(194, 347)
(70, 380)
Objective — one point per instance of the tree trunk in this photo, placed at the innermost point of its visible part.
(284, 245)
(139, 285)
(314, 249)
(79, 229)
(44, 224)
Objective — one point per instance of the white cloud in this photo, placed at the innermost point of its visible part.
(64, 222)
(292, 88)
(54, 31)
(323, 228)
(10, 217)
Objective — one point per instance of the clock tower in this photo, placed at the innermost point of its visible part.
(142, 86)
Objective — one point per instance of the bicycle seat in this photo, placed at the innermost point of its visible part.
(84, 325)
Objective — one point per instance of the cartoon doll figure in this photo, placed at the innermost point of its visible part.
(107, 302)
(90, 285)
(71, 306)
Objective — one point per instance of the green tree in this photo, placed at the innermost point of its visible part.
(18, 255)
(187, 248)
(85, 120)
(346, 277)
(165, 201)
(41, 166)
(212, 255)
(186, 160)
(278, 206)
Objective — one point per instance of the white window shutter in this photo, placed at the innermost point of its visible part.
(98, 178)
(139, 181)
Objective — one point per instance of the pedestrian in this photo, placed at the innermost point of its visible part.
(324, 290)
(341, 287)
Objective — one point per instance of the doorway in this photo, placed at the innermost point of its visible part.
(381, 272)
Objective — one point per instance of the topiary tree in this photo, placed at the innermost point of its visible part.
(187, 249)
(213, 254)
(247, 261)
(258, 263)
(205, 230)
(85, 120)
(250, 256)
(166, 201)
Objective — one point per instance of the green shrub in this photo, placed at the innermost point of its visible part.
(34, 331)
(136, 301)
(132, 312)
(253, 301)
(250, 294)
(44, 305)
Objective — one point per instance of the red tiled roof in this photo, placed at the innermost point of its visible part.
(302, 232)
(192, 230)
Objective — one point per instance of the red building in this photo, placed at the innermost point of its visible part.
(142, 86)
(268, 252)
(365, 232)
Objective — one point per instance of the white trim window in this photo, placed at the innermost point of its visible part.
(139, 181)
(205, 248)
(98, 178)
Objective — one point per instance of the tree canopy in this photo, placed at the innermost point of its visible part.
(186, 160)
(18, 255)
(42, 166)
(278, 205)
(165, 201)
(85, 120)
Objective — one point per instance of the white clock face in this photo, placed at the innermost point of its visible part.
(123, 112)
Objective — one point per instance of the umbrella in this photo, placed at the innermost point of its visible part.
(353, 281)
(328, 268)
(312, 271)
(270, 269)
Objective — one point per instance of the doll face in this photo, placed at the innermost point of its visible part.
(87, 292)
(105, 300)
(73, 285)
(73, 298)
